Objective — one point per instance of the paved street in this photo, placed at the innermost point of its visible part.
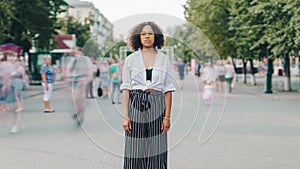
(244, 130)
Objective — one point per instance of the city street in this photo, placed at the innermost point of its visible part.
(246, 129)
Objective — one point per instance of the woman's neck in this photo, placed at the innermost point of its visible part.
(148, 50)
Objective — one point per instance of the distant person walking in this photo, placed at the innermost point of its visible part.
(207, 93)
(48, 79)
(180, 68)
(19, 81)
(115, 80)
(89, 90)
(4, 82)
(220, 69)
(104, 82)
(229, 74)
(80, 70)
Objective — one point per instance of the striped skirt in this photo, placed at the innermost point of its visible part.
(146, 146)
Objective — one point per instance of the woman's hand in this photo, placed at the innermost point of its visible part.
(165, 125)
(127, 125)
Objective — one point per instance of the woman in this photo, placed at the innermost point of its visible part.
(180, 67)
(48, 78)
(220, 76)
(19, 80)
(4, 82)
(229, 74)
(104, 78)
(115, 81)
(146, 99)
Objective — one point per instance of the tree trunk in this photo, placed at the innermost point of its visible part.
(252, 72)
(245, 70)
(287, 70)
(270, 71)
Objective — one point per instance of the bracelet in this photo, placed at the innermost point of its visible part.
(166, 118)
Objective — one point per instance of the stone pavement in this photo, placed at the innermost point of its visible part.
(243, 130)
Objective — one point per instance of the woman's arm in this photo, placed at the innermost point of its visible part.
(166, 119)
(168, 104)
(126, 120)
(44, 79)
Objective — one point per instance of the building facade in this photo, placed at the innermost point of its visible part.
(101, 28)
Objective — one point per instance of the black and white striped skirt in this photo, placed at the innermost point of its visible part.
(146, 146)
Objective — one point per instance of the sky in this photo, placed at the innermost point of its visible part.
(124, 14)
(114, 10)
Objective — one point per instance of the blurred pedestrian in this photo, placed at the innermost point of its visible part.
(4, 82)
(80, 70)
(147, 98)
(115, 81)
(89, 91)
(48, 79)
(229, 74)
(180, 68)
(208, 73)
(104, 78)
(198, 68)
(207, 93)
(220, 70)
(19, 81)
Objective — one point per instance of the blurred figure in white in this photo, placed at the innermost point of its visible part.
(89, 90)
(80, 70)
(19, 81)
(229, 74)
(208, 73)
(4, 82)
(220, 70)
(207, 93)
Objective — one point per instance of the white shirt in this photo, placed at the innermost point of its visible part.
(229, 71)
(82, 66)
(134, 73)
(208, 92)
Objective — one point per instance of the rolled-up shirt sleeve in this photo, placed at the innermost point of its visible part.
(168, 84)
(126, 77)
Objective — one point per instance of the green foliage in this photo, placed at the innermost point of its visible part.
(190, 42)
(249, 28)
(70, 25)
(25, 18)
(212, 17)
(91, 48)
(111, 48)
(6, 15)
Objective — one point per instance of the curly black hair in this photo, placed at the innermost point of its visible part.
(134, 40)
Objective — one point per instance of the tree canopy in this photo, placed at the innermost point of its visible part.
(21, 20)
(250, 28)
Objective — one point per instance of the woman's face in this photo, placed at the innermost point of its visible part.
(147, 37)
(47, 61)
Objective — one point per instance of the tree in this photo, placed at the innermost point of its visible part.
(212, 17)
(31, 17)
(245, 24)
(91, 48)
(281, 20)
(190, 42)
(70, 25)
(6, 15)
